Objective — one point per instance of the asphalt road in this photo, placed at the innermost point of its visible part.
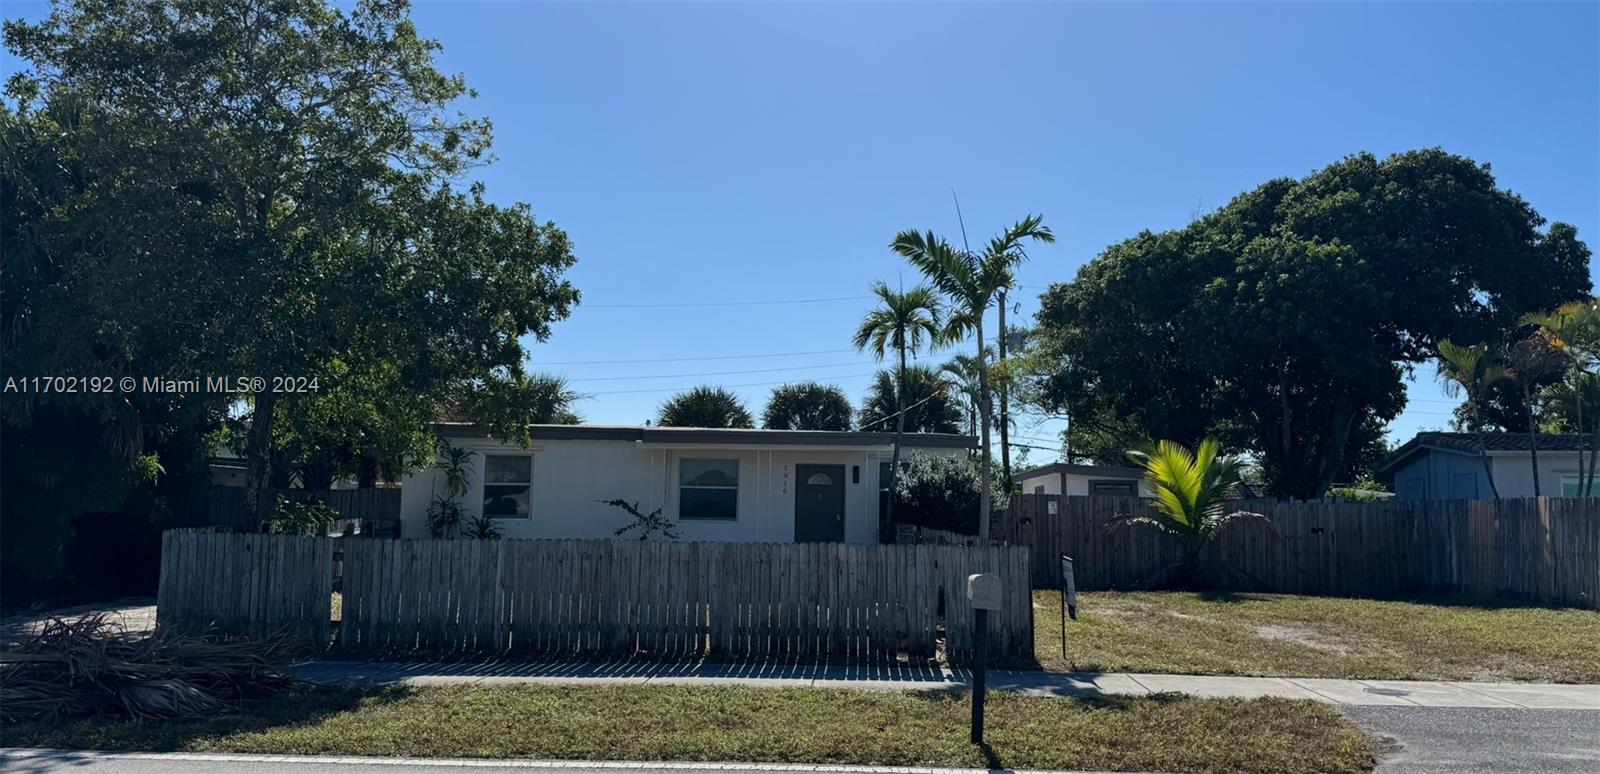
(1450, 740)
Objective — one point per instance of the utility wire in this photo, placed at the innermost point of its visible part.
(748, 384)
(724, 303)
(715, 373)
(630, 360)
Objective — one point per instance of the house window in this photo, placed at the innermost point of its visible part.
(1039, 489)
(1111, 487)
(708, 489)
(1571, 485)
(508, 486)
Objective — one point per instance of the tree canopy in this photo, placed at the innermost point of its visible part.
(261, 188)
(807, 406)
(1285, 321)
(705, 407)
(930, 407)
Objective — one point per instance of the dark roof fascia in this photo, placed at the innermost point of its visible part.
(1056, 468)
(713, 436)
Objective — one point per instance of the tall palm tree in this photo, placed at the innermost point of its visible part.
(1574, 329)
(906, 322)
(971, 280)
(1467, 371)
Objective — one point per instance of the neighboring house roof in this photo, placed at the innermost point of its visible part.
(1467, 443)
(1102, 471)
(718, 436)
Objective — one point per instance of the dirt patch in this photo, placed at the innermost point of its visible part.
(1305, 637)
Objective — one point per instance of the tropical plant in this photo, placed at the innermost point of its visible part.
(904, 322)
(807, 406)
(971, 280)
(307, 517)
(929, 407)
(1530, 363)
(1467, 370)
(1192, 493)
(648, 524)
(942, 493)
(704, 407)
(961, 372)
(482, 528)
(1574, 329)
(445, 513)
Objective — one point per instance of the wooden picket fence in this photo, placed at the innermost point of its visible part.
(1544, 550)
(247, 584)
(597, 598)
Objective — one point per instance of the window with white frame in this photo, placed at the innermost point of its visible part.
(508, 486)
(708, 489)
(1572, 484)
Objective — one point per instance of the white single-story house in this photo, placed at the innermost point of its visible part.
(1063, 478)
(777, 486)
(1447, 466)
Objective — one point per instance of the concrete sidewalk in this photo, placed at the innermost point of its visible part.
(1400, 693)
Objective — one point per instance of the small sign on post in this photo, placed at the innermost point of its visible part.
(1069, 599)
(983, 591)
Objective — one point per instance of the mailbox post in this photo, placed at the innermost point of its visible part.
(983, 591)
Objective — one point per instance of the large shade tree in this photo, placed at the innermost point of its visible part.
(1286, 321)
(807, 406)
(261, 189)
(705, 407)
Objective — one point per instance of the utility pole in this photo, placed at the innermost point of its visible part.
(1005, 416)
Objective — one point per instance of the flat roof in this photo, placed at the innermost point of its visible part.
(1105, 471)
(719, 436)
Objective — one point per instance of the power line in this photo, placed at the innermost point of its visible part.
(689, 304)
(690, 387)
(689, 359)
(715, 373)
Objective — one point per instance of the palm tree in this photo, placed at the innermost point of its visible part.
(906, 322)
(929, 406)
(807, 406)
(971, 281)
(1574, 329)
(704, 407)
(1191, 501)
(1467, 371)
(551, 397)
(961, 372)
(1529, 363)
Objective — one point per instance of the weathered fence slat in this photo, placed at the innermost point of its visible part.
(1545, 550)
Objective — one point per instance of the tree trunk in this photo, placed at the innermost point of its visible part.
(983, 433)
(1488, 470)
(259, 449)
(899, 431)
(1005, 414)
(1533, 439)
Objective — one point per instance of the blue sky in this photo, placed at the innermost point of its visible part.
(708, 154)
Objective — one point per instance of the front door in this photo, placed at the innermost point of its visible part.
(819, 504)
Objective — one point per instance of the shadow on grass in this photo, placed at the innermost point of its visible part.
(299, 705)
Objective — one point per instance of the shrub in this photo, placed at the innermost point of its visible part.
(942, 493)
(311, 517)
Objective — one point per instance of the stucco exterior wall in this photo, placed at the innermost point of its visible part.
(1442, 475)
(570, 477)
(1076, 484)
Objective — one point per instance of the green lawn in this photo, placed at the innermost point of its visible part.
(680, 723)
(1293, 636)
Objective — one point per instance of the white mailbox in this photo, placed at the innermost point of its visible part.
(983, 591)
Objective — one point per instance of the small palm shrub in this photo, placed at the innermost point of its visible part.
(1191, 503)
(482, 528)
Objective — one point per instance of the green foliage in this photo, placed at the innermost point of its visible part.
(1192, 490)
(704, 407)
(929, 406)
(807, 406)
(1225, 327)
(305, 517)
(904, 322)
(445, 513)
(264, 189)
(647, 524)
(942, 493)
(482, 528)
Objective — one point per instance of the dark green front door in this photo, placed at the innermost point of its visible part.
(819, 504)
